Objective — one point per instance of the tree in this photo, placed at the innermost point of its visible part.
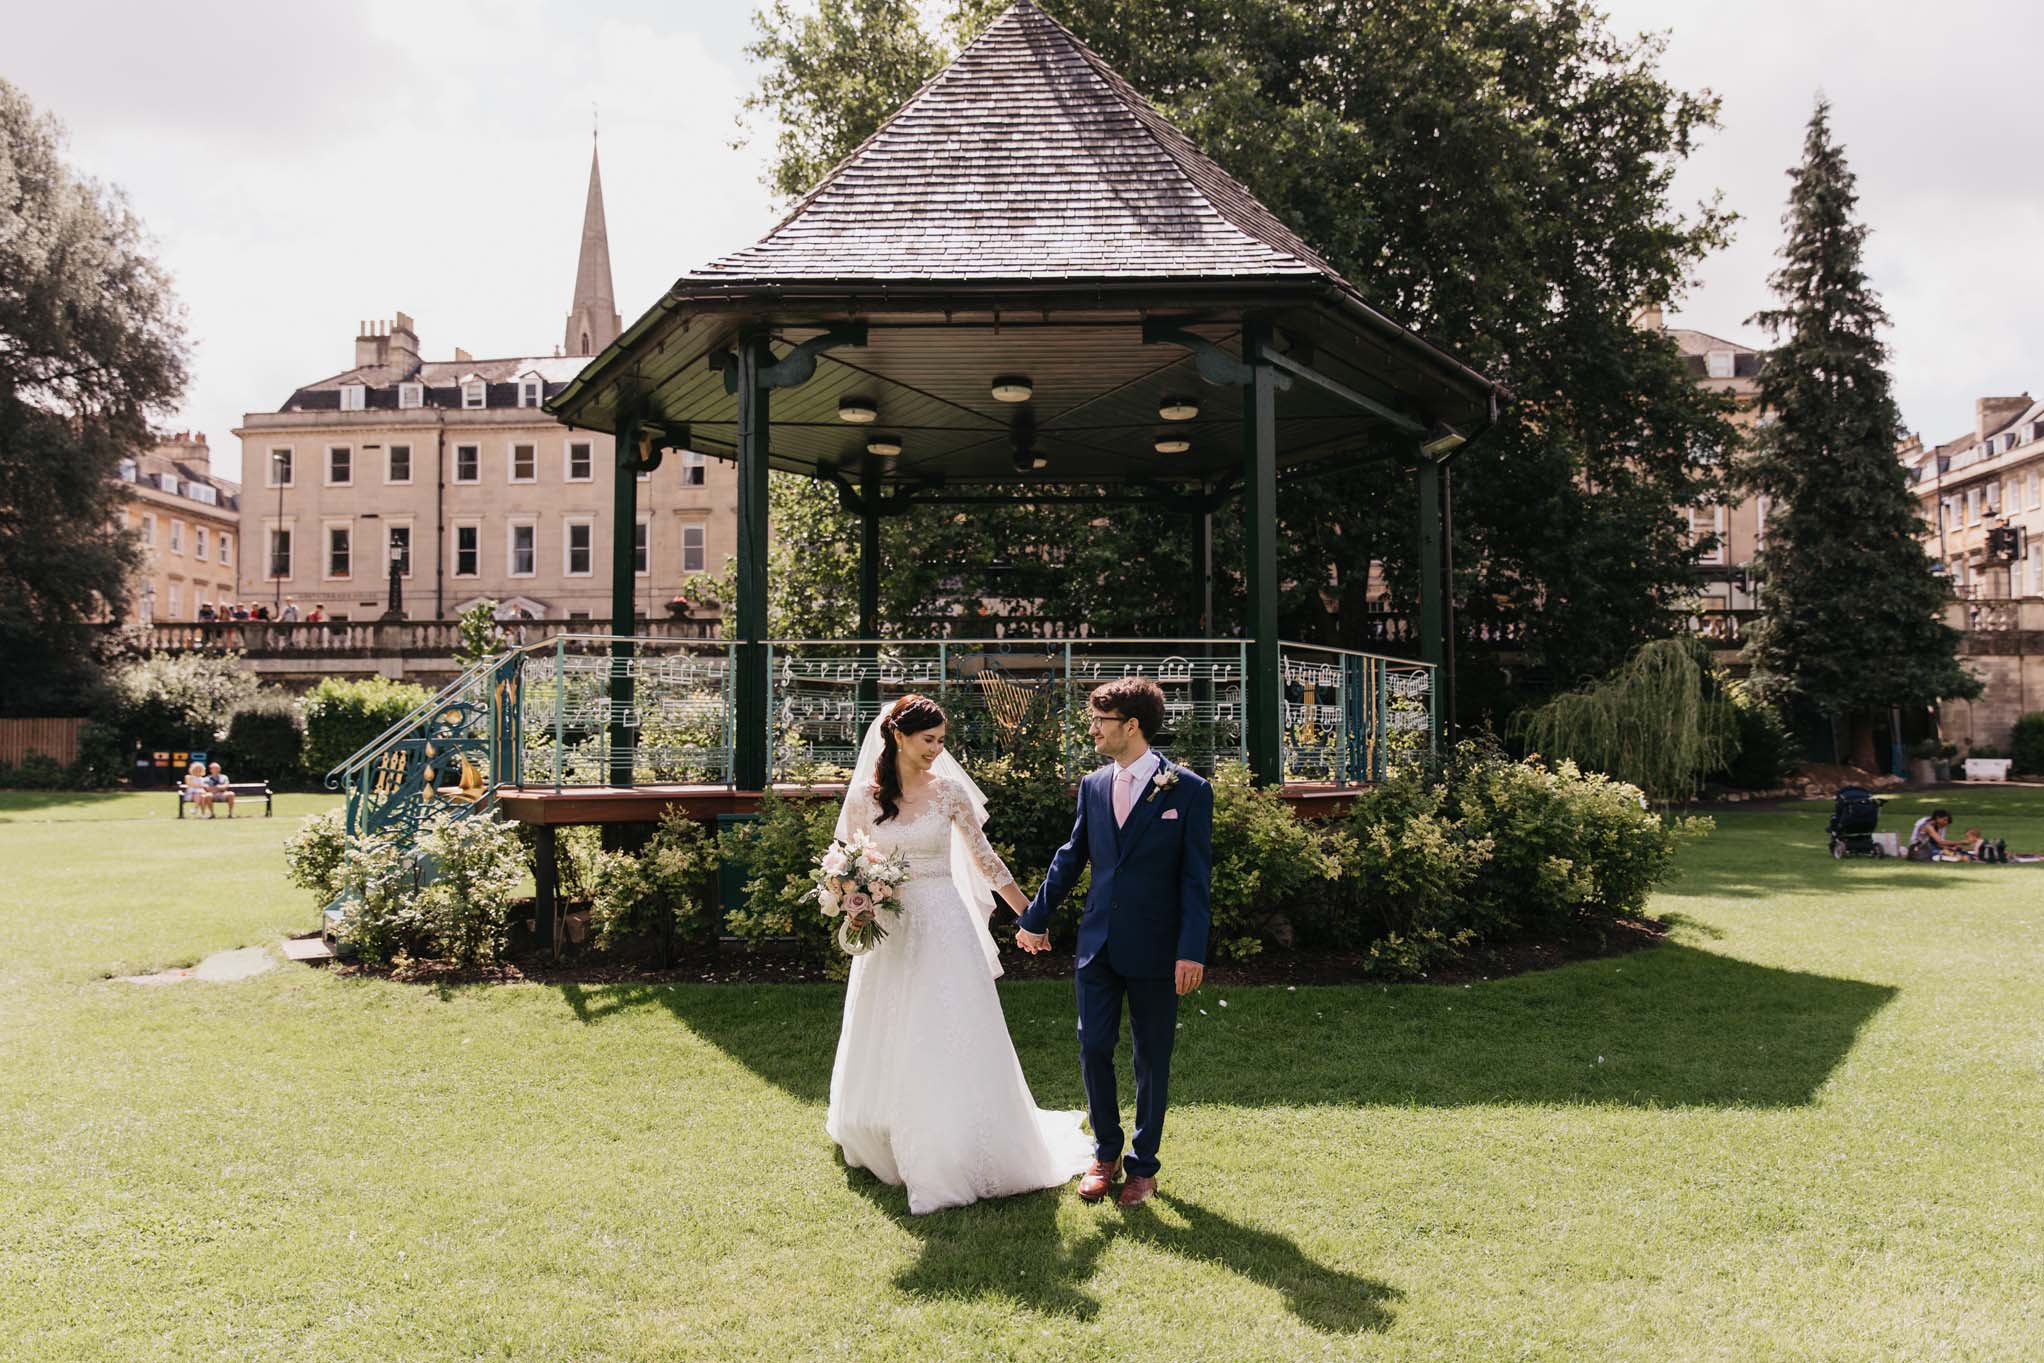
(1850, 622)
(1493, 173)
(91, 344)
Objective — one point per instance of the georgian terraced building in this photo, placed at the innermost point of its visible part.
(1985, 479)
(189, 524)
(452, 468)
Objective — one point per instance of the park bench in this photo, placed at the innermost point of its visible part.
(243, 790)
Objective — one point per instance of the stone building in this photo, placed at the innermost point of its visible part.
(1988, 478)
(451, 469)
(189, 522)
(1982, 498)
(1727, 580)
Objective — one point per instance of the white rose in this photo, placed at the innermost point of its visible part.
(827, 901)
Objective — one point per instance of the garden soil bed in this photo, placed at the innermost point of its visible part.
(733, 965)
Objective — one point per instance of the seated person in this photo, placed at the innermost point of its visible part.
(1927, 841)
(197, 789)
(222, 788)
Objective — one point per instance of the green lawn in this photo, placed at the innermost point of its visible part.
(1810, 1127)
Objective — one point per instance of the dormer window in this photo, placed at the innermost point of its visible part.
(1719, 364)
(128, 470)
(474, 395)
(530, 390)
(354, 397)
(411, 395)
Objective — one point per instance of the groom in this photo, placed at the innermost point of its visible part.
(1146, 824)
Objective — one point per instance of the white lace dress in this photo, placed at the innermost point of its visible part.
(927, 1092)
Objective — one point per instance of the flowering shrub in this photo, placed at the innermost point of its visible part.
(659, 892)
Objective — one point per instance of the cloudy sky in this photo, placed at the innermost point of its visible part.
(304, 167)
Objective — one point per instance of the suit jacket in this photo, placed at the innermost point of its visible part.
(1149, 905)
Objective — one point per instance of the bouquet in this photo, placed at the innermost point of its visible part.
(855, 883)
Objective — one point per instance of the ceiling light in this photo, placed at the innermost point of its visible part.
(858, 411)
(1178, 409)
(886, 446)
(1013, 388)
(1165, 444)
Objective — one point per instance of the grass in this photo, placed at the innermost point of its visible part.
(1808, 1128)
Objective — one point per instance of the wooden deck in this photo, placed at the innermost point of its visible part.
(545, 807)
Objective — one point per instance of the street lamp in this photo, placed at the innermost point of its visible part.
(396, 610)
(279, 463)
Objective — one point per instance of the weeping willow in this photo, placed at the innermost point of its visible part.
(1650, 722)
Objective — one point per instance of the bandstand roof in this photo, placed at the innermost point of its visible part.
(1025, 213)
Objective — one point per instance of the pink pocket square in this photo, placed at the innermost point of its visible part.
(1168, 814)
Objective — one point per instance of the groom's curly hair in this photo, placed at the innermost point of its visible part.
(910, 715)
(1136, 698)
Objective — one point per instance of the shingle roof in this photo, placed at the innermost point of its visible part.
(1027, 157)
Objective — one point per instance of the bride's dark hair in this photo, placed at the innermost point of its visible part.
(909, 715)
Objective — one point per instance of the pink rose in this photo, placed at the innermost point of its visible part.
(856, 902)
(881, 891)
(875, 855)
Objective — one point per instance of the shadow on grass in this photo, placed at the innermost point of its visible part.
(29, 804)
(1670, 1027)
(1013, 1248)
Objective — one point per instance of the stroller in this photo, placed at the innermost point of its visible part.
(1854, 816)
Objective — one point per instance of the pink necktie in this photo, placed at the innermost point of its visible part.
(1124, 794)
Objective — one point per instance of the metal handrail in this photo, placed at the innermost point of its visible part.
(380, 744)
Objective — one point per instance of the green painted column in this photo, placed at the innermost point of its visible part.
(867, 692)
(1264, 689)
(749, 758)
(623, 623)
(1433, 616)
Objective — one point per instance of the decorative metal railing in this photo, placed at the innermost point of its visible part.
(1000, 695)
(448, 755)
(574, 710)
(1348, 716)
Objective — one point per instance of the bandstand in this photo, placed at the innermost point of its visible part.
(1027, 278)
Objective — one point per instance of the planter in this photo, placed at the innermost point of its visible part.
(1922, 771)
(1987, 768)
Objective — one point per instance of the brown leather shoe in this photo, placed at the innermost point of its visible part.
(1136, 1191)
(1100, 1179)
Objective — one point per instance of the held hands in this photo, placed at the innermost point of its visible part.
(1032, 942)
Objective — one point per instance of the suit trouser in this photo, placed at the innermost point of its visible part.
(1153, 1027)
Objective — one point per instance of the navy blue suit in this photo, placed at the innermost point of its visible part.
(1147, 910)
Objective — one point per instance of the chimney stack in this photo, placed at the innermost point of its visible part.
(1991, 414)
(1648, 318)
(372, 344)
(403, 351)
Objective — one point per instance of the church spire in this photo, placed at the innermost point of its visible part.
(593, 322)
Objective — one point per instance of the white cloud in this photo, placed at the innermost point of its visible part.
(1934, 109)
(306, 168)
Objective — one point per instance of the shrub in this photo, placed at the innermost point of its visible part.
(1406, 876)
(265, 741)
(1763, 750)
(1265, 860)
(777, 850)
(383, 916)
(342, 716)
(176, 700)
(1565, 844)
(314, 854)
(480, 636)
(37, 771)
(2026, 743)
(659, 892)
(477, 866)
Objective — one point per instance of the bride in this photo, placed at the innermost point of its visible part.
(926, 1091)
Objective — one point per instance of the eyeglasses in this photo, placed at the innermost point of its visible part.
(1098, 720)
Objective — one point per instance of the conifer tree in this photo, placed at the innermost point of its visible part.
(1851, 610)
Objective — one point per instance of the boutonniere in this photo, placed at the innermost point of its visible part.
(1166, 777)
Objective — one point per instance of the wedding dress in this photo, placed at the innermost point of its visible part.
(926, 1091)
